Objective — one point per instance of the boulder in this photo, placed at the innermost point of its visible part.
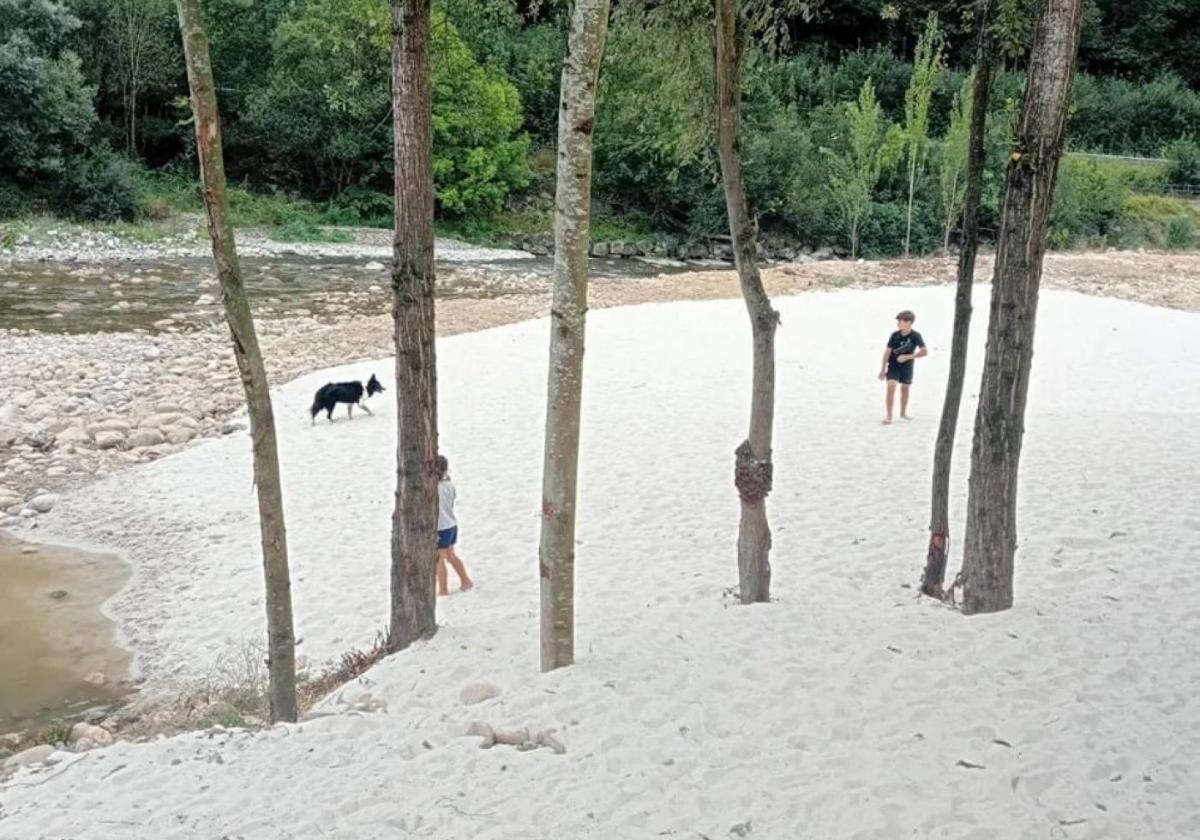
(85, 736)
(160, 420)
(109, 440)
(41, 754)
(146, 437)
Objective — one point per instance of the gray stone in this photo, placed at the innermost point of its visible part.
(475, 693)
(146, 437)
(109, 440)
(43, 503)
(41, 754)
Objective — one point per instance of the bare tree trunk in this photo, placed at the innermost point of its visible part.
(1000, 420)
(943, 452)
(564, 390)
(281, 645)
(753, 467)
(414, 520)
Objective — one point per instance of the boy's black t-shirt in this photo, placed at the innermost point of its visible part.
(903, 345)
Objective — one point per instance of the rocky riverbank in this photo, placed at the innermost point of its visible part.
(73, 407)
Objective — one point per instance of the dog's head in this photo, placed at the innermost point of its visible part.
(373, 386)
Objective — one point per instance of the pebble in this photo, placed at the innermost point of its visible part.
(43, 503)
(474, 693)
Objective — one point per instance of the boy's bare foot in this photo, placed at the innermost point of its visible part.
(905, 417)
(442, 593)
(468, 586)
(887, 421)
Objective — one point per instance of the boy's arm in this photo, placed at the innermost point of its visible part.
(887, 352)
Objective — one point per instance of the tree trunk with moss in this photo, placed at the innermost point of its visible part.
(753, 469)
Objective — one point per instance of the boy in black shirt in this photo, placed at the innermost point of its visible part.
(904, 345)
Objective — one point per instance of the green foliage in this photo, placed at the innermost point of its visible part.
(46, 110)
(952, 169)
(654, 134)
(1121, 117)
(304, 230)
(873, 145)
(927, 67)
(1088, 200)
(325, 108)
(1184, 155)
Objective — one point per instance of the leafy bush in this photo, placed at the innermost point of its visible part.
(325, 109)
(360, 206)
(1181, 231)
(1184, 155)
(1088, 202)
(101, 188)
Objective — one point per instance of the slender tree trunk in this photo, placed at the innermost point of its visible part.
(564, 390)
(414, 520)
(281, 644)
(943, 452)
(912, 188)
(991, 535)
(753, 468)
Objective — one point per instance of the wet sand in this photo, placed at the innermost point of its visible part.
(50, 646)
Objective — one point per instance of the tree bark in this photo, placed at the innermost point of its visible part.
(752, 467)
(943, 452)
(564, 390)
(414, 518)
(281, 645)
(991, 535)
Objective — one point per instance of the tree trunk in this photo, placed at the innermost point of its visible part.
(943, 452)
(912, 188)
(999, 422)
(414, 519)
(753, 467)
(564, 390)
(281, 645)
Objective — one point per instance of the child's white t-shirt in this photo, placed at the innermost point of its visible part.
(446, 496)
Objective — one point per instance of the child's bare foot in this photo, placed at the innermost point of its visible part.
(443, 592)
(887, 421)
(905, 417)
(467, 586)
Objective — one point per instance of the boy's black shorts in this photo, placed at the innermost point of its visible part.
(902, 373)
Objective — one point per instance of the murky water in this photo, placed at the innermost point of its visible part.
(138, 294)
(53, 637)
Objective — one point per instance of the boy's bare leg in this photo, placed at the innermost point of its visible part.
(890, 401)
(441, 574)
(460, 569)
(904, 402)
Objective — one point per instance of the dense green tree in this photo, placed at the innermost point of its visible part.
(323, 111)
(46, 105)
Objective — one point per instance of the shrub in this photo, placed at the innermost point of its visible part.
(1181, 231)
(1184, 168)
(101, 188)
(1088, 202)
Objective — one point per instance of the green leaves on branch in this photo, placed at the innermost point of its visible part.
(324, 110)
(873, 146)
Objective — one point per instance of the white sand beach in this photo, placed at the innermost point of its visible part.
(846, 708)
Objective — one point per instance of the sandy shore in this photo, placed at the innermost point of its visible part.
(846, 708)
(155, 394)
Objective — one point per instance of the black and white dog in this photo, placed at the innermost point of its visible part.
(351, 393)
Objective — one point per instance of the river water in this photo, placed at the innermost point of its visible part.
(58, 655)
(115, 296)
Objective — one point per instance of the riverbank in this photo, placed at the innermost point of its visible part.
(77, 407)
(1071, 711)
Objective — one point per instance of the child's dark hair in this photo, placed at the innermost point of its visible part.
(443, 466)
(906, 315)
